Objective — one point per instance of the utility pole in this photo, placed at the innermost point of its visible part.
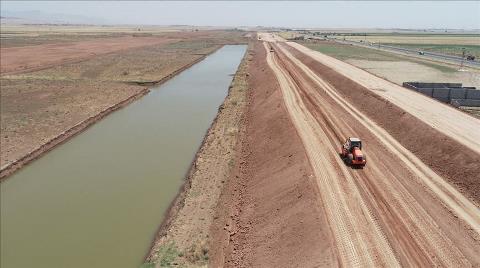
(463, 58)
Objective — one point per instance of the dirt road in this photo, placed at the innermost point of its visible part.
(398, 211)
(269, 215)
(446, 119)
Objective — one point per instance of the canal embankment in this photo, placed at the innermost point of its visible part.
(67, 134)
(62, 137)
(184, 237)
(36, 106)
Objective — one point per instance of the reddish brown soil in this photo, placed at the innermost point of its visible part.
(269, 214)
(21, 59)
(448, 158)
(380, 183)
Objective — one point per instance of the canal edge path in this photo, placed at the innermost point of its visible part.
(185, 230)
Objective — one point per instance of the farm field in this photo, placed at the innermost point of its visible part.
(437, 39)
(452, 44)
(51, 95)
(394, 67)
(446, 43)
(456, 50)
(23, 35)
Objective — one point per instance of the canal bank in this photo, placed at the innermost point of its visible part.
(184, 238)
(9, 169)
(96, 200)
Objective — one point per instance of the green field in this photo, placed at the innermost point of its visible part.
(346, 52)
(450, 44)
(437, 39)
(443, 49)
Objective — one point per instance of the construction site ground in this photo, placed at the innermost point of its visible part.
(267, 187)
(293, 202)
(290, 201)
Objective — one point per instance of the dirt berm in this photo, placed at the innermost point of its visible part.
(268, 214)
(184, 237)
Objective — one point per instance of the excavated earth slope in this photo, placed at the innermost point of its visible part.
(270, 212)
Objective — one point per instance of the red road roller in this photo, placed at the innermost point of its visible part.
(352, 153)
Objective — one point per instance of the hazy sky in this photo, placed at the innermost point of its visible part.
(422, 14)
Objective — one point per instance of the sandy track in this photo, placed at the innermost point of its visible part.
(387, 214)
(352, 235)
(456, 201)
(271, 203)
(453, 123)
(22, 59)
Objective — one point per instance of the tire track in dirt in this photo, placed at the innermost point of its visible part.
(450, 196)
(330, 125)
(270, 214)
(417, 238)
(453, 123)
(412, 230)
(358, 237)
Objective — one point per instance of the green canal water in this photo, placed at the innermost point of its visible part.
(97, 200)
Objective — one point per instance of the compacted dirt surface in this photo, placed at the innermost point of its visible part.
(292, 200)
(270, 214)
(446, 119)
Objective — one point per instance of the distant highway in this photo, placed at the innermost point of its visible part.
(410, 52)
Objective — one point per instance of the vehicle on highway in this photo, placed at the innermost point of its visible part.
(421, 53)
(470, 57)
(352, 153)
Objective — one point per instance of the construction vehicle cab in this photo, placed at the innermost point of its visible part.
(352, 153)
